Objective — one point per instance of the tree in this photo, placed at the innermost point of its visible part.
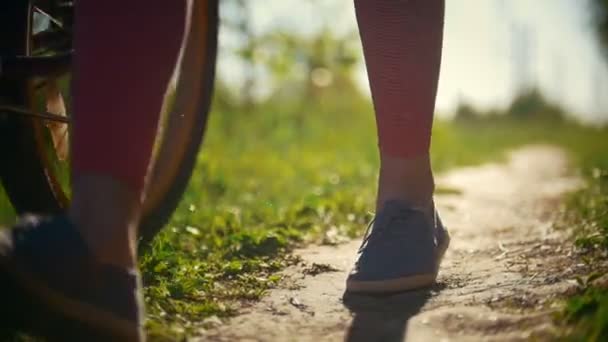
(600, 16)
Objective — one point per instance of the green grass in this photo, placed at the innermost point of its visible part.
(7, 214)
(286, 174)
(586, 313)
(586, 316)
(265, 185)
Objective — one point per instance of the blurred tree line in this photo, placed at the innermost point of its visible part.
(303, 74)
(529, 105)
(310, 75)
(600, 16)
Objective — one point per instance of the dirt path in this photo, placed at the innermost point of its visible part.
(504, 263)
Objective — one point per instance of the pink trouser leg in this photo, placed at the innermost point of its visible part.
(402, 45)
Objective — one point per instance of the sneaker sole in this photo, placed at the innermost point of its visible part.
(413, 282)
(79, 312)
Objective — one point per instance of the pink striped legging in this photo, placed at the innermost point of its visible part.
(124, 60)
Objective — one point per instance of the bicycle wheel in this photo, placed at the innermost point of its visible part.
(35, 171)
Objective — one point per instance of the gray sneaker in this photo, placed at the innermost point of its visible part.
(401, 251)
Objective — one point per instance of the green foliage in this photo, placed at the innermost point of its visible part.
(532, 104)
(600, 16)
(587, 315)
(590, 211)
(587, 212)
(290, 65)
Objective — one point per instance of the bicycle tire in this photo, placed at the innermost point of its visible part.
(161, 202)
(30, 182)
(23, 177)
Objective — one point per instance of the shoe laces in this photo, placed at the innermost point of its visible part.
(379, 227)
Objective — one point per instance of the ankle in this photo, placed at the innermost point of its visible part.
(409, 180)
(112, 248)
(106, 214)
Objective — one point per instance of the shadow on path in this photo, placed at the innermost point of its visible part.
(383, 318)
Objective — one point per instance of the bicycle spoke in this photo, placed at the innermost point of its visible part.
(40, 115)
(57, 23)
(59, 132)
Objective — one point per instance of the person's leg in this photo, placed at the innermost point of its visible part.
(402, 46)
(126, 52)
(80, 270)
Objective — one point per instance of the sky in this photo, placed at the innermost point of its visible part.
(491, 49)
